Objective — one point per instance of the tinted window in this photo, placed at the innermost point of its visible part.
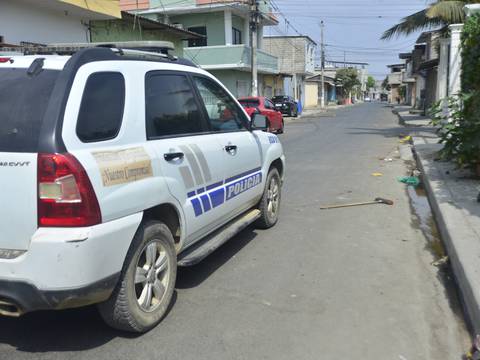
(249, 103)
(223, 113)
(171, 108)
(236, 36)
(23, 102)
(202, 30)
(101, 111)
(268, 104)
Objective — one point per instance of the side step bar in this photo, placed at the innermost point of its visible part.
(205, 247)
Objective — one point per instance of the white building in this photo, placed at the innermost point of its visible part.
(50, 21)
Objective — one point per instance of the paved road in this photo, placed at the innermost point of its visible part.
(342, 284)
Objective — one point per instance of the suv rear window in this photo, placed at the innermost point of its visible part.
(23, 101)
(101, 111)
(252, 103)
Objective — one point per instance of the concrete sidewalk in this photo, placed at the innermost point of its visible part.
(328, 111)
(409, 118)
(452, 194)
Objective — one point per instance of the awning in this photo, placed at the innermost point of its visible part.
(430, 64)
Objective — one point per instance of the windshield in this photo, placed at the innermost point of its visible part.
(280, 98)
(23, 102)
(249, 103)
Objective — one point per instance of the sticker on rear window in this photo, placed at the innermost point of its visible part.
(123, 166)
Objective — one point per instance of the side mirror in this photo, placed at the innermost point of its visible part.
(259, 122)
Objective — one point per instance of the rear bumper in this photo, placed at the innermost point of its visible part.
(67, 267)
(18, 298)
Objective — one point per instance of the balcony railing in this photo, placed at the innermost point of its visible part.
(231, 57)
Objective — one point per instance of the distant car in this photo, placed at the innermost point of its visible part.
(265, 107)
(286, 105)
(367, 99)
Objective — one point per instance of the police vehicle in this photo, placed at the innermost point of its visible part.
(119, 163)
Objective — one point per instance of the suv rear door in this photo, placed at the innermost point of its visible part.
(23, 102)
(190, 157)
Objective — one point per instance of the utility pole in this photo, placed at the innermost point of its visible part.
(322, 101)
(253, 44)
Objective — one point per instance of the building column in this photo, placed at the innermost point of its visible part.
(246, 31)
(260, 36)
(228, 27)
(442, 80)
(454, 81)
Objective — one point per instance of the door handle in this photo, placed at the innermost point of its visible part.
(230, 148)
(172, 156)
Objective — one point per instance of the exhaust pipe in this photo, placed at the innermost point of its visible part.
(9, 309)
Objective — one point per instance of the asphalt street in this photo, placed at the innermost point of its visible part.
(352, 283)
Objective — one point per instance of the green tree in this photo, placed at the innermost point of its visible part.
(440, 13)
(385, 84)
(371, 83)
(348, 78)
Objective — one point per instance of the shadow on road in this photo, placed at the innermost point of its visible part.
(84, 329)
(189, 277)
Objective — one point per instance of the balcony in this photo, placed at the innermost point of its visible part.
(235, 57)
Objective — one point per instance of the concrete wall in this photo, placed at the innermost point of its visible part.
(213, 21)
(22, 21)
(272, 85)
(118, 30)
(291, 53)
(238, 82)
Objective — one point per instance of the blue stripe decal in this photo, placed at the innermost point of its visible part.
(191, 194)
(206, 203)
(197, 208)
(213, 186)
(200, 191)
(217, 197)
(233, 178)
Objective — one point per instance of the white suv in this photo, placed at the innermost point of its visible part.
(115, 167)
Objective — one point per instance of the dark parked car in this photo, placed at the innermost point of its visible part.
(286, 105)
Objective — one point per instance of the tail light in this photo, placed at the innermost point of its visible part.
(65, 194)
(4, 59)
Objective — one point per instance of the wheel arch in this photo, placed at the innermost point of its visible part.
(171, 216)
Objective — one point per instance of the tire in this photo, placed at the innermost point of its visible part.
(281, 131)
(296, 113)
(153, 243)
(269, 218)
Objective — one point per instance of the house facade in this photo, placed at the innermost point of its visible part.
(296, 56)
(224, 49)
(50, 21)
(132, 28)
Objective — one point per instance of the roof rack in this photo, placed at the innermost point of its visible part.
(158, 47)
(144, 50)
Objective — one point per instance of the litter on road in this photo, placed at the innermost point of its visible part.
(410, 180)
(374, 202)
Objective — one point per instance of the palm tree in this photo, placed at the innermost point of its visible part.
(438, 14)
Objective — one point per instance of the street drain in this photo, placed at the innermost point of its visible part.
(423, 220)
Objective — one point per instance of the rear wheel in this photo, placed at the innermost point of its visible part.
(145, 289)
(296, 113)
(280, 131)
(269, 205)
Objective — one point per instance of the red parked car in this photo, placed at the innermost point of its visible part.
(265, 107)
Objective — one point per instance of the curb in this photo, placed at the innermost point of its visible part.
(459, 237)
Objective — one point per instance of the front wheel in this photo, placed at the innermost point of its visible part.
(145, 289)
(269, 205)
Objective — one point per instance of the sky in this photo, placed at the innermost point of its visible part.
(351, 26)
